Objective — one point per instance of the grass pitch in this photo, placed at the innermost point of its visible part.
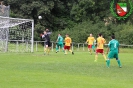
(35, 70)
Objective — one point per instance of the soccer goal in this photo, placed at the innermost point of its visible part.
(16, 34)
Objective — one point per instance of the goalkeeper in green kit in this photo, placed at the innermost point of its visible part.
(113, 48)
(60, 44)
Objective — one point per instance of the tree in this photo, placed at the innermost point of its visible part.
(68, 15)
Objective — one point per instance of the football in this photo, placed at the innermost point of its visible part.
(39, 17)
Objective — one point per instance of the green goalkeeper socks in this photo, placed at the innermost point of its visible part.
(108, 63)
(57, 48)
(119, 63)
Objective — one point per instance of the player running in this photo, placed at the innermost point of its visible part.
(59, 41)
(67, 46)
(100, 45)
(113, 48)
(90, 40)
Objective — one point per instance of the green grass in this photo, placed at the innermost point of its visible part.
(35, 70)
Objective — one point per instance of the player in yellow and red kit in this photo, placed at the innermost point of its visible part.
(100, 46)
(67, 46)
(90, 40)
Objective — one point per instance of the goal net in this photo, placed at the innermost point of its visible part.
(16, 35)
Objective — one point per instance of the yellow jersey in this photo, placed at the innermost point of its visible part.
(100, 42)
(68, 41)
(104, 41)
(90, 40)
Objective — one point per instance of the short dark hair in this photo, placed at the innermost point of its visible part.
(99, 34)
(113, 36)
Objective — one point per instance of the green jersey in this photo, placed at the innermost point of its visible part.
(60, 40)
(113, 45)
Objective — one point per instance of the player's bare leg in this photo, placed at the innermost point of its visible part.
(71, 52)
(45, 49)
(49, 48)
(108, 62)
(90, 51)
(104, 56)
(96, 57)
(57, 48)
(65, 51)
(119, 62)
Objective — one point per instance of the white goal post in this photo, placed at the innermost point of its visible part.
(16, 34)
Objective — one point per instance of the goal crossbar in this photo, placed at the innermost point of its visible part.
(6, 22)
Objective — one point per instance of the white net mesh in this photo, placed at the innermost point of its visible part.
(4, 12)
(6, 22)
(16, 35)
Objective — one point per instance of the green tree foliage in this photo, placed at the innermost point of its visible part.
(80, 32)
(78, 18)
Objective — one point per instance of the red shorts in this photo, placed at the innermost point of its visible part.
(67, 47)
(99, 50)
(89, 46)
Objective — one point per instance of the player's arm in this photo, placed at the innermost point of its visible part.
(65, 40)
(70, 41)
(108, 48)
(104, 41)
(98, 42)
(87, 41)
(43, 36)
(49, 33)
(57, 39)
(118, 48)
(94, 42)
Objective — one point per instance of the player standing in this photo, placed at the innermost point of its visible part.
(59, 41)
(47, 43)
(67, 46)
(90, 40)
(113, 48)
(100, 46)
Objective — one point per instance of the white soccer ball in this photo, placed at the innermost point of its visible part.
(39, 17)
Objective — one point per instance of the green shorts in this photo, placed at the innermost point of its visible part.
(60, 44)
(93, 46)
(113, 54)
